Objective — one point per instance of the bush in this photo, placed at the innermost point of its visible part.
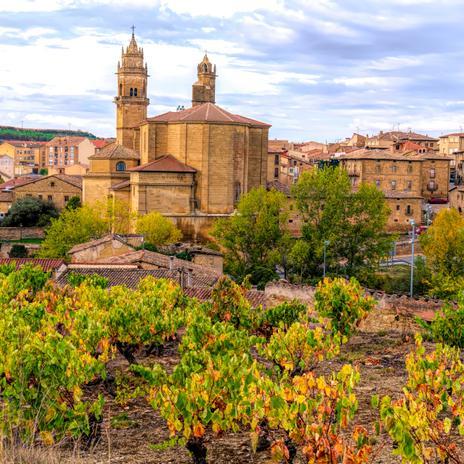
(30, 212)
(18, 251)
(283, 315)
(94, 280)
(344, 303)
(157, 229)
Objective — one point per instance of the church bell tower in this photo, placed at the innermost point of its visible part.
(132, 101)
(204, 90)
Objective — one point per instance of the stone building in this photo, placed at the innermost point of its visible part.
(407, 179)
(456, 198)
(58, 189)
(394, 139)
(191, 165)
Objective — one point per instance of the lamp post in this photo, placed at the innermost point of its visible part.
(326, 243)
(413, 225)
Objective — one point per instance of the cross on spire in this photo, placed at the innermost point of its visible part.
(133, 30)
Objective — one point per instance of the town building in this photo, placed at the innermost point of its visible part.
(61, 152)
(456, 198)
(394, 140)
(192, 165)
(25, 154)
(58, 189)
(6, 167)
(407, 179)
(451, 143)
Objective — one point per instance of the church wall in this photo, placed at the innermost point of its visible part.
(257, 162)
(162, 192)
(95, 188)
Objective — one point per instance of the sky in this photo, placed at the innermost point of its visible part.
(314, 69)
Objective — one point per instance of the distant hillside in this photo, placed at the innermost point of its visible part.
(16, 133)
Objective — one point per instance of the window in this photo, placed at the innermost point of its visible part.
(393, 184)
(205, 68)
(377, 183)
(120, 90)
(131, 92)
(408, 210)
(50, 198)
(432, 185)
(135, 92)
(432, 173)
(394, 168)
(397, 207)
(276, 173)
(237, 192)
(409, 166)
(276, 159)
(66, 198)
(40, 197)
(52, 184)
(409, 187)
(120, 166)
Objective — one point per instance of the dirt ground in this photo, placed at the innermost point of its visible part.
(130, 431)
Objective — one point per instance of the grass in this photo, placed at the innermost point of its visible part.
(29, 455)
(37, 241)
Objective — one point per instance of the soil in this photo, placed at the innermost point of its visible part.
(130, 431)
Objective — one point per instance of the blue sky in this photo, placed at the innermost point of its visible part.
(314, 69)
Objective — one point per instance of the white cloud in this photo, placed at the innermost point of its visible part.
(390, 63)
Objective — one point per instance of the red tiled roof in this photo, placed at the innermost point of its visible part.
(455, 134)
(76, 181)
(100, 143)
(24, 143)
(166, 163)
(46, 264)
(207, 112)
(115, 151)
(408, 146)
(12, 183)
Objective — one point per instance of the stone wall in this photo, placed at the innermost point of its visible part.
(393, 312)
(18, 233)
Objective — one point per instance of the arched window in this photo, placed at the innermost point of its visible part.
(120, 166)
(205, 68)
(135, 92)
(120, 90)
(131, 92)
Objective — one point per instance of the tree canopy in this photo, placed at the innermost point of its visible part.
(255, 238)
(350, 223)
(157, 229)
(30, 212)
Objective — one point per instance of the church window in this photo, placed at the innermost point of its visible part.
(120, 166)
(131, 92)
(237, 192)
(205, 68)
(120, 90)
(135, 92)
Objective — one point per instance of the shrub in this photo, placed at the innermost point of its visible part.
(343, 303)
(94, 280)
(30, 212)
(18, 251)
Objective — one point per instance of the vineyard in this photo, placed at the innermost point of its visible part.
(151, 376)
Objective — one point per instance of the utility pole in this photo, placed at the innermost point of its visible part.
(413, 225)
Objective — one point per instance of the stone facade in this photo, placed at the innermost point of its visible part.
(57, 189)
(407, 179)
(204, 90)
(98, 250)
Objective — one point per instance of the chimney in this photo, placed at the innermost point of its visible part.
(171, 263)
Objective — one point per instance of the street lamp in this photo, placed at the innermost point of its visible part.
(413, 225)
(326, 244)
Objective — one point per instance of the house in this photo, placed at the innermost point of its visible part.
(57, 188)
(26, 155)
(61, 152)
(394, 139)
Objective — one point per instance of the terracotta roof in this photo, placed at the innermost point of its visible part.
(121, 185)
(65, 140)
(207, 275)
(207, 112)
(46, 264)
(76, 181)
(124, 276)
(399, 135)
(277, 145)
(255, 297)
(96, 242)
(408, 146)
(100, 143)
(166, 163)
(455, 134)
(24, 143)
(115, 151)
(388, 155)
(12, 183)
(279, 186)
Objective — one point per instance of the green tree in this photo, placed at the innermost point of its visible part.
(71, 228)
(74, 202)
(30, 212)
(255, 238)
(443, 243)
(352, 222)
(157, 229)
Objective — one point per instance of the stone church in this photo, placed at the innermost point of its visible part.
(190, 165)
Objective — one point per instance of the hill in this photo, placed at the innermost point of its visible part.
(17, 133)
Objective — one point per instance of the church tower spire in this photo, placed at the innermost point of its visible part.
(131, 101)
(204, 89)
